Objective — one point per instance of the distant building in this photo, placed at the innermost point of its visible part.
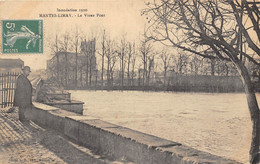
(11, 65)
(64, 71)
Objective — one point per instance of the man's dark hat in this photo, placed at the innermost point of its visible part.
(26, 68)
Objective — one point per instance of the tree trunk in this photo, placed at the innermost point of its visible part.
(132, 79)
(227, 70)
(58, 69)
(133, 73)
(112, 79)
(139, 77)
(81, 84)
(148, 76)
(96, 78)
(212, 62)
(87, 71)
(254, 112)
(128, 73)
(108, 72)
(76, 68)
(164, 76)
(102, 70)
(90, 70)
(144, 74)
(102, 60)
(122, 70)
(66, 69)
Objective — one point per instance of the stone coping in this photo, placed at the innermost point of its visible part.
(58, 93)
(44, 106)
(143, 138)
(64, 103)
(62, 113)
(82, 118)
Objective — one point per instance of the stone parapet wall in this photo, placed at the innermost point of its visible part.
(119, 142)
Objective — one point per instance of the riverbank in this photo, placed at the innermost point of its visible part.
(206, 89)
(30, 143)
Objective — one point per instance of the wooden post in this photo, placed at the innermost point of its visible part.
(10, 92)
(2, 89)
(15, 78)
(9, 89)
(6, 89)
(12, 88)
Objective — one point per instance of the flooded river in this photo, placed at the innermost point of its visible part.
(218, 123)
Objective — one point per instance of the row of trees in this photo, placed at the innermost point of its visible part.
(143, 58)
(126, 63)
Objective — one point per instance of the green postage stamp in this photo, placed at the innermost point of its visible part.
(22, 36)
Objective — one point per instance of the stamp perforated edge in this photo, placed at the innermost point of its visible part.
(21, 53)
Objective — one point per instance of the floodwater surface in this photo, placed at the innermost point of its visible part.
(218, 123)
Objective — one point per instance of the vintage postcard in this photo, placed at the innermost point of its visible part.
(129, 81)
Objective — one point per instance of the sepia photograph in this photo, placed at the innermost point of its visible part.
(130, 81)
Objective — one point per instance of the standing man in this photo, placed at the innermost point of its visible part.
(23, 93)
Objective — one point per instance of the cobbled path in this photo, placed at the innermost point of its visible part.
(29, 143)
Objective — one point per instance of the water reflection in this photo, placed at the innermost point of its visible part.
(218, 123)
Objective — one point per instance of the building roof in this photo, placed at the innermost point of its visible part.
(11, 63)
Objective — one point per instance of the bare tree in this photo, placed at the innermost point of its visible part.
(150, 62)
(76, 45)
(225, 68)
(196, 65)
(129, 57)
(133, 62)
(56, 52)
(122, 52)
(84, 50)
(112, 67)
(65, 45)
(181, 61)
(102, 54)
(111, 60)
(145, 51)
(54, 46)
(130, 60)
(166, 58)
(213, 64)
(89, 50)
(198, 26)
(139, 75)
(92, 58)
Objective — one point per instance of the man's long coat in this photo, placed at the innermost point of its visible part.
(23, 92)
